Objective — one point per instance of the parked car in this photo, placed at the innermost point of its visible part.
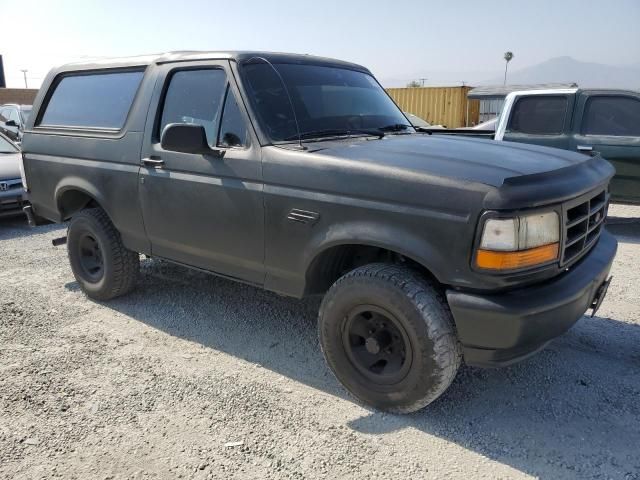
(418, 122)
(603, 122)
(13, 118)
(300, 175)
(11, 191)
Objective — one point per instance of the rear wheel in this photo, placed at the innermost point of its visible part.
(102, 265)
(388, 336)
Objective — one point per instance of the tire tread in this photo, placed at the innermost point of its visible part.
(435, 312)
(126, 263)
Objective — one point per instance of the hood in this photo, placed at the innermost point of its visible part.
(476, 160)
(9, 166)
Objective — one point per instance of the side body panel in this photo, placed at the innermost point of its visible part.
(314, 202)
(101, 164)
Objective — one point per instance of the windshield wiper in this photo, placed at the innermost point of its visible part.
(335, 132)
(396, 127)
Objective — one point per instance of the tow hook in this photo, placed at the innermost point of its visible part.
(56, 242)
(599, 296)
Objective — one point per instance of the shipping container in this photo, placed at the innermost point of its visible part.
(446, 106)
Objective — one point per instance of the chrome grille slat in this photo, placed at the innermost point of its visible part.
(583, 225)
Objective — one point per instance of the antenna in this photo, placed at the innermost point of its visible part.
(286, 90)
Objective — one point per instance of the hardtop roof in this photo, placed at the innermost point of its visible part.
(195, 55)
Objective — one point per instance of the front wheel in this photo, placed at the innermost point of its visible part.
(388, 336)
(102, 265)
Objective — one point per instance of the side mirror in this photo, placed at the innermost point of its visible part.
(186, 138)
(11, 123)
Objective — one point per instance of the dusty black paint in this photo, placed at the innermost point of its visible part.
(416, 198)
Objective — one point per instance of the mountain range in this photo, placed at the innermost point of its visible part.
(554, 70)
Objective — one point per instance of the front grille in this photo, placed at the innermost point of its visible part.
(6, 185)
(583, 223)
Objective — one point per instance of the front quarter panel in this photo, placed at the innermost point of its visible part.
(349, 202)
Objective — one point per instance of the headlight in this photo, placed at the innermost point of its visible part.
(519, 242)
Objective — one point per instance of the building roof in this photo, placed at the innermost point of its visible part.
(501, 91)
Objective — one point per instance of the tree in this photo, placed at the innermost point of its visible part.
(413, 84)
(508, 56)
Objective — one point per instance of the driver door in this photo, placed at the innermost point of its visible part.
(205, 210)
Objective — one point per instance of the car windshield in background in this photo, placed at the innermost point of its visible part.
(6, 146)
(327, 101)
(26, 112)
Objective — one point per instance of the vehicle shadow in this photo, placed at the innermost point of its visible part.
(626, 229)
(560, 414)
(17, 226)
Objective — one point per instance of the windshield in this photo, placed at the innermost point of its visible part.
(6, 146)
(25, 114)
(326, 100)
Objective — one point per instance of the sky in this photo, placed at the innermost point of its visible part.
(445, 42)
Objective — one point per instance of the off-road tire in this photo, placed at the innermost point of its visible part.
(121, 266)
(423, 313)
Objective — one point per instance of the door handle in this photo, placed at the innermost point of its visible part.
(584, 148)
(153, 162)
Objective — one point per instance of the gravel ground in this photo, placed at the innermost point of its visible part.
(157, 385)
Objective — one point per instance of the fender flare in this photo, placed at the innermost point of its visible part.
(80, 185)
(393, 238)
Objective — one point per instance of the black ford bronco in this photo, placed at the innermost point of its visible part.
(299, 174)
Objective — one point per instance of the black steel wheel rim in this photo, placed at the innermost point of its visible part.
(91, 258)
(377, 344)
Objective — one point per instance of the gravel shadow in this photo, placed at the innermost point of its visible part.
(566, 406)
(627, 230)
(17, 227)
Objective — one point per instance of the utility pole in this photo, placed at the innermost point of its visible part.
(422, 80)
(24, 74)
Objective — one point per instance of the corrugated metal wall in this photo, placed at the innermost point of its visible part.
(438, 105)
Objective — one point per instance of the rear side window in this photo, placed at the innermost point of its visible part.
(99, 100)
(195, 97)
(612, 116)
(539, 115)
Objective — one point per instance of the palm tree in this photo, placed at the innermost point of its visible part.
(508, 56)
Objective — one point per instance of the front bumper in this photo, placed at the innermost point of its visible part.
(503, 328)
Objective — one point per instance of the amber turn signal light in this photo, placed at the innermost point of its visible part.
(495, 260)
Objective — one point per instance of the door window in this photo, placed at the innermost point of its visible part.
(612, 116)
(539, 115)
(194, 97)
(233, 132)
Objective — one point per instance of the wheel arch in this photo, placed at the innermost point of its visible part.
(356, 245)
(73, 194)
